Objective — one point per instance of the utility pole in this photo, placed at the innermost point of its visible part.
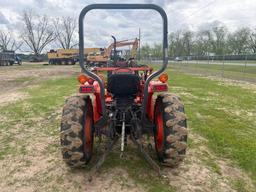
(139, 44)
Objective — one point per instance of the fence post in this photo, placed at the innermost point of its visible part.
(180, 63)
(222, 73)
(197, 64)
(245, 65)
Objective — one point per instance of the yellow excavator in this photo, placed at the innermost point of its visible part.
(69, 56)
(104, 56)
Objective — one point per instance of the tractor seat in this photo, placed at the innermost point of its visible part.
(123, 84)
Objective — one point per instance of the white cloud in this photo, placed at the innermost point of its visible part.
(3, 19)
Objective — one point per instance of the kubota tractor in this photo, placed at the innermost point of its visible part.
(130, 101)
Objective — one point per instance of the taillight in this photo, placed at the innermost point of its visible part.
(82, 78)
(160, 88)
(86, 89)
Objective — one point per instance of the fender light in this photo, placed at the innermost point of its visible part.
(86, 89)
(160, 88)
(82, 78)
(163, 77)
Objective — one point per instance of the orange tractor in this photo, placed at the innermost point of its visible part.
(121, 105)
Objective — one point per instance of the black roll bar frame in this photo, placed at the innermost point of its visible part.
(123, 6)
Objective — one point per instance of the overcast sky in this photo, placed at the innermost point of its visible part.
(100, 25)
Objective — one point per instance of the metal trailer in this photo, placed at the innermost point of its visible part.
(62, 57)
(68, 56)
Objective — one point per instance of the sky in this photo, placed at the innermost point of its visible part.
(100, 24)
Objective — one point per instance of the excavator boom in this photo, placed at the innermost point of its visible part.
(107, 51)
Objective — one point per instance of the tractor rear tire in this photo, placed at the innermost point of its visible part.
(171, 130)
(77, 131)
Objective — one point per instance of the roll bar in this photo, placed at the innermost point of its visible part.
(123, 6)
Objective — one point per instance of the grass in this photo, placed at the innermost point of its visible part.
(211, 163)
(41, 102)
(138, 170)
(237, 66)
(22, 79)
(225, 67)
(240, 185)
(230, 71)
(29, 65)
(43, 99)
(223, 114)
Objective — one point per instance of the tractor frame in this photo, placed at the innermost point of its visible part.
(100, 110)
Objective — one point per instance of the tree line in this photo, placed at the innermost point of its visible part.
(217, 41)
(39, 31)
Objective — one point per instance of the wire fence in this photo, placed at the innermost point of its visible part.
(239, 67)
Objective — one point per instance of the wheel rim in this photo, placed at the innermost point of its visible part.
(159, 135)
(88, 136)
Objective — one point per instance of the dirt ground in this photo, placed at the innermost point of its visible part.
(42, 168)
(15, 78)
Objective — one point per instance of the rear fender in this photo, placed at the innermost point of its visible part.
(154, 87)
(95, 90)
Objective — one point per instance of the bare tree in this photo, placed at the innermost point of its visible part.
(145, 51)
(238, 41)
(203, 43)
(176, 43)
(37, 33)
(187, 42)
(7, 42)
(64, 31)
(252, 42)
(157, 50)
(172, 44)
(180, 43)
(219, 40)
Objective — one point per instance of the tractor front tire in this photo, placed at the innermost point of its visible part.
(171, 130)
(76, 132)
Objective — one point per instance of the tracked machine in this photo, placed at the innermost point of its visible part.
(121, 102)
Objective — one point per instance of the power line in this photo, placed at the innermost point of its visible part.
(198, 10)
(203, 7)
